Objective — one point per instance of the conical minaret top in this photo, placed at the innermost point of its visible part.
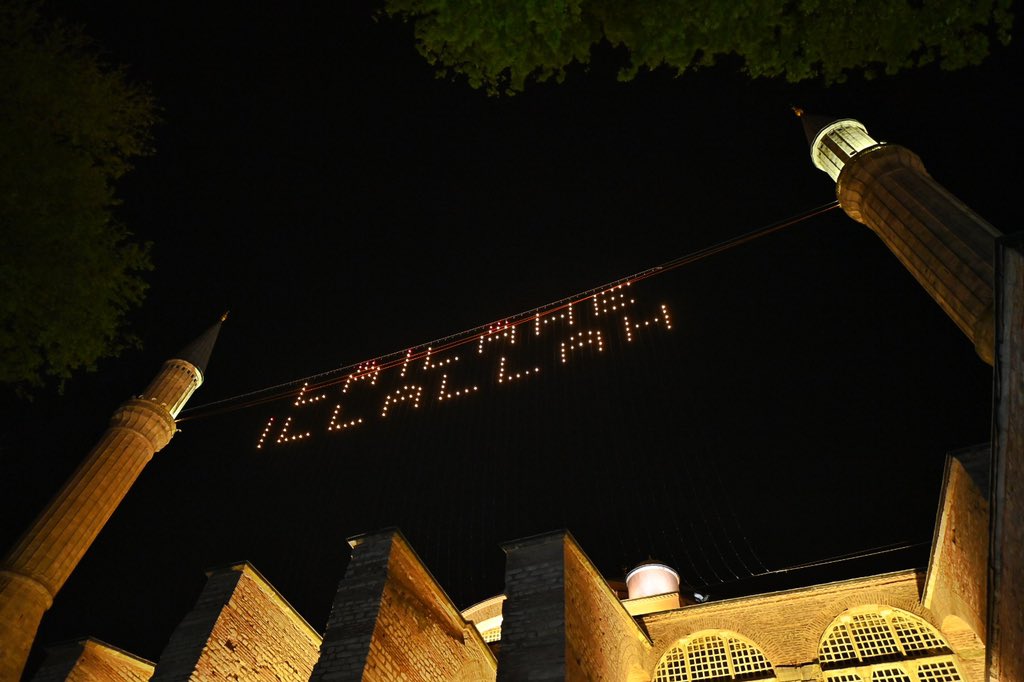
(947, 247)
(198, 352)
(183, 373)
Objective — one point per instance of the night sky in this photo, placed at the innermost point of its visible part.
(315, 178)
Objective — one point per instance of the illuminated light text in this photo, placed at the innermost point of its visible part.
(440, 375)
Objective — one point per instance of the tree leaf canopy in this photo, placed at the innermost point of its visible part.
(69, 127)
(500, 45)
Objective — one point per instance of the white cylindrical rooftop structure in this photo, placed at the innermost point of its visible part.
(651, 578)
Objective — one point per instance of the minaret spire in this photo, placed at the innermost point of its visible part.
(198, 352)
(40, 563)
(947, 247)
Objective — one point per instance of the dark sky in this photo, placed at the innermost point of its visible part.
(314, 177)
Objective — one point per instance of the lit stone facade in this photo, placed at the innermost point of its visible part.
(240, 629)
(955, 589)
(559, 619)
(392, 621)
(90, 660)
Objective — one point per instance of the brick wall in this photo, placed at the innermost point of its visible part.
(90, 660)
(955, 591)
(533, 629)
(604, 641)
(240, 628)
(561, 620)
(786, 626)
(392, 621)
(353, 616)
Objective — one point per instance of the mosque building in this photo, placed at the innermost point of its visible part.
(558, 617)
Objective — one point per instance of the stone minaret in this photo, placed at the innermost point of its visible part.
(946, 246)
(43, 559)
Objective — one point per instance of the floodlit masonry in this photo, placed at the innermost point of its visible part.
(559, 619)
(948, 248)
(43, 559)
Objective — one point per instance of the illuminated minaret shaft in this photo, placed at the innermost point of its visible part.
(945, 245)
(40, 563)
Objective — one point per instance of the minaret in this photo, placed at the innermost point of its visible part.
(43, 559)
(946, 246)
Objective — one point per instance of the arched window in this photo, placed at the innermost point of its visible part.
(880, 644)
(719, 655)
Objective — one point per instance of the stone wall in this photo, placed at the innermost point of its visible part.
(240, 628)
(561, 620)
(604, 641)
(392, 621)
(533, 625)
(787, 626)
(90, 660)
(955, 591)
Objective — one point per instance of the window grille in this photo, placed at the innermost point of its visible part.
(747, 659)
(885, 644)
(913, 637)
(837, 646)
(942, 671)
(672, 667)
(873, 636)
(713, 656)
(492, 635)
(707, 658)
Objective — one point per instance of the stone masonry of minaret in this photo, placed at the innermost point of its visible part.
(42, 560)
(948, 248)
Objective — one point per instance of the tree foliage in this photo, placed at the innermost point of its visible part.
(500, 45)
(69, 127)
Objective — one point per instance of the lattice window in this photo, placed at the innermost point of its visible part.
(707, 657)
(914, 637)
(717, 656)
(867, 641)
(747, 659)
(492, 635)
(837, 646)
(872, 636)
(943, 671)
(672, 667)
